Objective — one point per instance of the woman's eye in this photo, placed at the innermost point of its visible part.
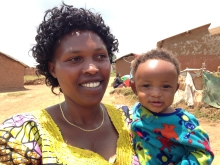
(101, 56)
(74, 59)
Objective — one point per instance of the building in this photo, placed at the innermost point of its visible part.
(11, 72)
(32, 71)
(122, 64)
(195, 47)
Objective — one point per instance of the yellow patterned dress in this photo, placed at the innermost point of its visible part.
(35, 138)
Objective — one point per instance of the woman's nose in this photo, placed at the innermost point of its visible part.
(91, 68)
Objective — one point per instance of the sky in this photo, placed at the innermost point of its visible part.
(138, 25)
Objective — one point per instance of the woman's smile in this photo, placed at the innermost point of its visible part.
(85, 69)
(91, 84)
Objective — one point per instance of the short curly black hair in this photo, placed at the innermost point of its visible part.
(161, 54)
(56, 24)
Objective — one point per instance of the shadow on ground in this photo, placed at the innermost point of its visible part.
(8, 90)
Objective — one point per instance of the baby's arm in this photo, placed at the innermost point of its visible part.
(197, 144)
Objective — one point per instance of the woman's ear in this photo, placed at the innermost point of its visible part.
(51, 69)
(178, 85)
(132, 84)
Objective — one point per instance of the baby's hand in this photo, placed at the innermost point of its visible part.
(136, 161)
(171, 164)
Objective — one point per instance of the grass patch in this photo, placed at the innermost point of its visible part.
(32, 77)
(17, 94)
(198, 113)
(124, 91)
(113, 73)
(212, 114)
(124, 96)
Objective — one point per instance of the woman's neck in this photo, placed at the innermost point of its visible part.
(81, 114)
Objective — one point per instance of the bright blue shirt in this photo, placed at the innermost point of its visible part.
(160, 139)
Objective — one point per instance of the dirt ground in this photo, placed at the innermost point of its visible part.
(36, 97)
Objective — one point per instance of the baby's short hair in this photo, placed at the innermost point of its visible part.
(160, 54)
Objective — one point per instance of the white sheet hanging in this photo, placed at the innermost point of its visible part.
(189, 90)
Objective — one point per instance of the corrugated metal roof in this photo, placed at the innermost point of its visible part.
(188, 31)
(127, 55)
(26, 66)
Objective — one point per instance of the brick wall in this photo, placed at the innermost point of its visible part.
(123, 65)
(11, 73)
(30, 71)
(195, 47)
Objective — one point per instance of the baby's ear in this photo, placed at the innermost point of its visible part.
(132, 83)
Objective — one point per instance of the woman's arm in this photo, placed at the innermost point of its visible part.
(20, 141)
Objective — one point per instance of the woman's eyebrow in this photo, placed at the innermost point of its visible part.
(74, 51)
(100, 48)
(77, 51)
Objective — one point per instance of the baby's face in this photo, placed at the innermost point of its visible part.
(156, 82)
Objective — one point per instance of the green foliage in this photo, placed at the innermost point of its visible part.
(114, 57)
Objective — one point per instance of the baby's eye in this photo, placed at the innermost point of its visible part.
(146, 85)
(166, 86)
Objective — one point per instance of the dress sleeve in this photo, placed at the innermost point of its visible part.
(197, 144)
(127, 114)
(20, 141)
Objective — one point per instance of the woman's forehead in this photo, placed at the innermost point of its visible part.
(80, 40)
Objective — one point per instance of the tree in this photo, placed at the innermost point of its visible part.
(114, 57)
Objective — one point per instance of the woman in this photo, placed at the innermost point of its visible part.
(73, 51)
(118, 82)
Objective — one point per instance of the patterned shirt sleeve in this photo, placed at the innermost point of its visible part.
(20, 141)
(127, 113)
(196, 141)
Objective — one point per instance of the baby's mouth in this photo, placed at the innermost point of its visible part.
(156, 103)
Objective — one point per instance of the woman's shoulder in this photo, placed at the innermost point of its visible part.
(118, 108)
(19, 119)
(20, 131)
(119, 113)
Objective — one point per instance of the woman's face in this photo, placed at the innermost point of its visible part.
(82, 67)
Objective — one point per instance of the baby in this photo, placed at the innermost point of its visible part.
(164, 135)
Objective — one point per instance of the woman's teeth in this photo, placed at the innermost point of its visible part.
(91, 84)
